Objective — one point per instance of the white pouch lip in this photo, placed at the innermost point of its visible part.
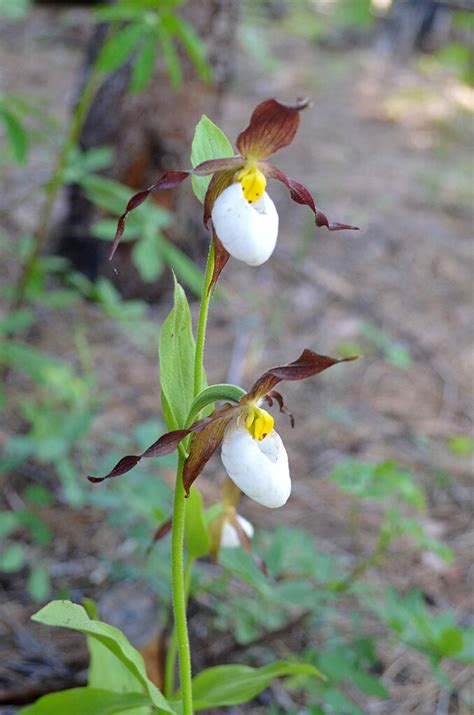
(248, 231)
(259, 468)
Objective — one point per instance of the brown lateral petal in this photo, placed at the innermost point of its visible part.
(205, 441)
(272, 126)
(274, 395)
(221, 256)
(246, 543)
(219, 182)
(231, 163)
(160, 533)
(301, 195)
(167, 181)
(307, 365)
(244, 539)
(166, 444)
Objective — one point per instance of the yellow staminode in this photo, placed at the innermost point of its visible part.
(258, 422)
(253, 183)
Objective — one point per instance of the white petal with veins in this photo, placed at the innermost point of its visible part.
(229, 536)
(248, 231)
(259, 468)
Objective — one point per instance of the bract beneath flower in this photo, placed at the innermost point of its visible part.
(248, 231)
(258, 467)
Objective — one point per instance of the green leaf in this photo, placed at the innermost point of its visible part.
(105, 669)
(9, 520)
(16, 135)
(192, 44)
(71, 615)
(176, 353)
(450, 641)
(144, 65)
(378, 481)
(235, 684)
(170, 56)
(12, 558)
(79, 701)
(369, 685)
(38, 584)
(209, 142)
(182, 266)
(119, 47)
(147, 259)
(198, 539)
(461, 445)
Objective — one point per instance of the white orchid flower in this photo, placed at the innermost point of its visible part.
(230, 537)
(255, 458)
(244, 218)
(252, 452)
(247, 229)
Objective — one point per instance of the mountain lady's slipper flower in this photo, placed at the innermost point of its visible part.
(252, 451)
(244, 218)
(234, 531)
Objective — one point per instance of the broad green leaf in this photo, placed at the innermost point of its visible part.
(235, 684)
(184, 268)
(38, 584)
(71, 615)
(144, 65)
(12, 558)
(119, 47)
(9, 520)
(450, 641)
(176, 353)
(209, 142)
(90, 701)
(16, 135)
(198, 539)
(147, 259)
(105, 669)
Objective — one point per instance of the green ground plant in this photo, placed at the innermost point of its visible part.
(276, 584)
(257, 592)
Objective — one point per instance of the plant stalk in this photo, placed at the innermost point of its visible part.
(202, 322)
(179, 579)
(173, 643)
(179, 592)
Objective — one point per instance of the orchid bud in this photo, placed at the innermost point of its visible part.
(230, 538)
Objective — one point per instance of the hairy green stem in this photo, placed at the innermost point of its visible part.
(179, 592)
(173, 642)
(202, 322)
(179, 579)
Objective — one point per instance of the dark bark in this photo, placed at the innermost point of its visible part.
(149, 132)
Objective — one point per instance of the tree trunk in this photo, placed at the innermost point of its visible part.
(150, 132)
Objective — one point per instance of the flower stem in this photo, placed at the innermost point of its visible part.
(179, 578)
(202, 322)
(179, 593)
(173, 642)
